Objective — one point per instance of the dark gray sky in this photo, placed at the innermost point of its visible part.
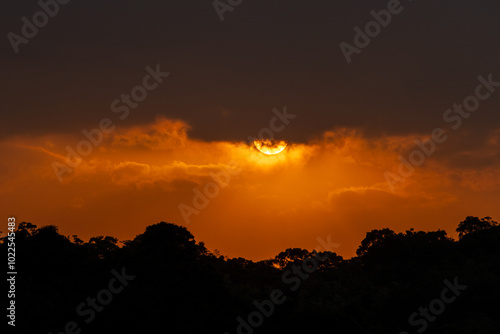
(226, 77)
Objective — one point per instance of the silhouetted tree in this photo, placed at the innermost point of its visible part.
(103, 246)
(180, 286)
(291, 256)
(474, 224)
(373, 239)
(25, 230)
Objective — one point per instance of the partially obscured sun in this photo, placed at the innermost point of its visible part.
(270, 146)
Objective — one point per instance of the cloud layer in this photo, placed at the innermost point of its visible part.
(332, 185)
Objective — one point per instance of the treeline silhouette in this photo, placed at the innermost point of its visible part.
(181, 287)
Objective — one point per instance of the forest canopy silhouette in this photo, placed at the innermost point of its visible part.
(175, 284)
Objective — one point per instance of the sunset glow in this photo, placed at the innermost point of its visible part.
(333, 185)
(270, 147)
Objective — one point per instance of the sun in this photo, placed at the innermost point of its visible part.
(270, 146)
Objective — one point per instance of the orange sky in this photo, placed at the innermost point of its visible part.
(331, 185)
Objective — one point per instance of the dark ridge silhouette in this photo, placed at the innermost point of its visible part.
(176, 285)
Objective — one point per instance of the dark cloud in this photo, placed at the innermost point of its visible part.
(226, 77)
